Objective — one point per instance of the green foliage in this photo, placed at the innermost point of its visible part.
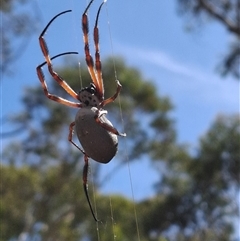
(42, 193)
(18, 186)
(201, 191)
(221, 143)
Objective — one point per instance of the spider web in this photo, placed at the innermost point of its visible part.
(125, 143)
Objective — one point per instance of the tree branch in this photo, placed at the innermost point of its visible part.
(212, 11)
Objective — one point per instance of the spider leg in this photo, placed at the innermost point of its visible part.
(111, 99)
(85, 185)
(88, 57)
(44, 48)
(98, 65)
(45, 89)
(85, 169)
(70, 135)
(106, 125)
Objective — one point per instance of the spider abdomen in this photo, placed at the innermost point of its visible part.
(97, 142)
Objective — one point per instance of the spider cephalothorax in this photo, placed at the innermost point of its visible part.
(88, 96)
(95, 132)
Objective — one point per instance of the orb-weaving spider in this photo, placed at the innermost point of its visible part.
(95, 132)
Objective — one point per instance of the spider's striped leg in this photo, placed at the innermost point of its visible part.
(45, 88)
(111, 99)
(44, 48)
(88, 57)
(85, 185)
(98, 65)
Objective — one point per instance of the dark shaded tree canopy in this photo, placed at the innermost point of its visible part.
(226, 12)
(18, 24)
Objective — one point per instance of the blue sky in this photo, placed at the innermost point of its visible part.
(150, 36)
